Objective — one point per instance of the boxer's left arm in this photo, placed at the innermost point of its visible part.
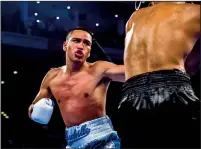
(114, 72)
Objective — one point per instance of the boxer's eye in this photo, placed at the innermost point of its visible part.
(87, 43)
(76, 40)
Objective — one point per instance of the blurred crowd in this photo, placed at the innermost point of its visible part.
(50, 30)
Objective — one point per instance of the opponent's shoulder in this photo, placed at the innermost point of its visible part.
(192, 10)
(134, 16)
(186, 8)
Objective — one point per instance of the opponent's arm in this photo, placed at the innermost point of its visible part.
(114, 72)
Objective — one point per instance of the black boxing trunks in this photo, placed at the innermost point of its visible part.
(159, 109)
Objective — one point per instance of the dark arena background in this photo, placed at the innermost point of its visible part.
(32, 34)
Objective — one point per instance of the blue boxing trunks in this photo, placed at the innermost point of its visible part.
(98, 133)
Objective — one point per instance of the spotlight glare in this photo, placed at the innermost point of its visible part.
(116, 16)
(97, 24)
(7, 117)
(15, 72)
(2, 82)
(38, 21)
(2, 112)
(57, 18)
(38, 2)
(68, 7)
(35, 14)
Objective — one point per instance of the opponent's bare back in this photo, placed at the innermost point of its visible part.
(81, 96)
(160, 37)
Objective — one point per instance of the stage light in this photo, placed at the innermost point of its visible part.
(15, 72)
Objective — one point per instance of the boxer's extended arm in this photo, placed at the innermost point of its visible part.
(114, 72)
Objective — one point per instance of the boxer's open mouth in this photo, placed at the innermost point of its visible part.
(79, 54)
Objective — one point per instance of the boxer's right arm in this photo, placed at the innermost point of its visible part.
(44, 91)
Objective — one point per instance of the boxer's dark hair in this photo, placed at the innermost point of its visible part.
(79, 28)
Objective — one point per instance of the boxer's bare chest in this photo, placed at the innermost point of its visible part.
(80, 85)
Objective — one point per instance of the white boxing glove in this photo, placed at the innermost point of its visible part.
(42, 111)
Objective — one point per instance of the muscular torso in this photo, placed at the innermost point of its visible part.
(157, 38)
(81, 97)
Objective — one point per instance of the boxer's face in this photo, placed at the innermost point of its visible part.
(78, 46)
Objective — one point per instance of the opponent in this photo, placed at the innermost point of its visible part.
(80, 90)
(158, 104)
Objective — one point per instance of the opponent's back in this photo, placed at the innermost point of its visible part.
(160, 37)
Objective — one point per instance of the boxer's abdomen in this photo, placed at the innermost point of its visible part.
(76, 112)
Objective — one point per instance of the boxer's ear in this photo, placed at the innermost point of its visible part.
(65, 46)
(89, 54)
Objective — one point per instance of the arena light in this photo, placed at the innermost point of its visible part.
(116, 15)
(4, 114)
(15, 72)
(2, 82)
(57, 18)
(38, 2)
(38, 21)
(68, 7)
(36, 14)
(97, 24)
(7, 117)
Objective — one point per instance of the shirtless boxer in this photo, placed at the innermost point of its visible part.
(158, 102)
(80, 90)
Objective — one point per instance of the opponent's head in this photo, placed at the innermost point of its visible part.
(78, 45)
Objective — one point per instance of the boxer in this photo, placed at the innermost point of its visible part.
(80, 90)
(158, 104)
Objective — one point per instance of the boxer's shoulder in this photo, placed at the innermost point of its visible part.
(52, 73)
(104, 65)
(101, 64)
(55, 70)
(98, 67)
